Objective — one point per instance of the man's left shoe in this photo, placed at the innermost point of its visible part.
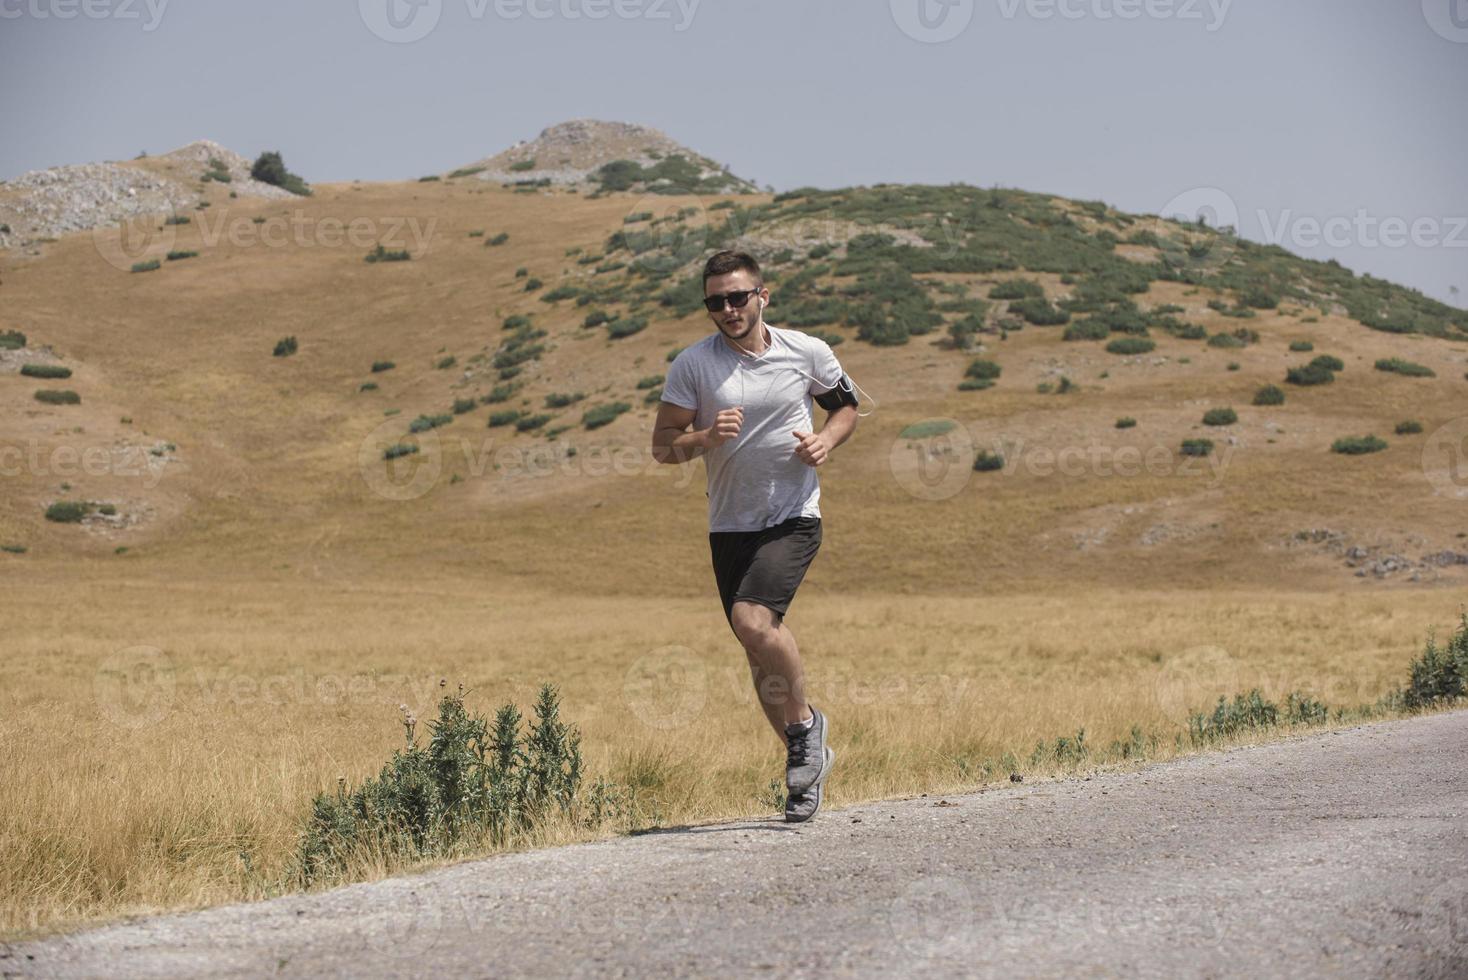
(800, 807)
(805, 758)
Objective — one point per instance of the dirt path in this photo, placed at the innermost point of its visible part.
(1342, 853)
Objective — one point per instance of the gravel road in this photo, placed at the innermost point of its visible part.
(1341, 853)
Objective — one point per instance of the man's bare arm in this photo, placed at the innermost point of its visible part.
(671, 440)
(839, 426)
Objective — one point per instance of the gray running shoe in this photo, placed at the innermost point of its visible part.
(805, 758)
(800, 807)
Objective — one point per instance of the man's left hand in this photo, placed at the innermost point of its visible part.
(811, 448)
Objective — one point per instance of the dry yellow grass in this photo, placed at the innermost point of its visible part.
(294, 604)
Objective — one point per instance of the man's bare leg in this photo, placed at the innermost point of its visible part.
(774, 663)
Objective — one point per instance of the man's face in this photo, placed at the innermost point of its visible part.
(736, 323)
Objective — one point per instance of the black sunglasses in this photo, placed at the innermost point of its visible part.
(737, 299)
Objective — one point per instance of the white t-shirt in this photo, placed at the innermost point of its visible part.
(755, 480)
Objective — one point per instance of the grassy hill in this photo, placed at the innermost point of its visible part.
(512, 298)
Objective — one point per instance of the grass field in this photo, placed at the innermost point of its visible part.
(126, 790)
(287, 596)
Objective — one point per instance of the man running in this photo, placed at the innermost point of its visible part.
(746, 390)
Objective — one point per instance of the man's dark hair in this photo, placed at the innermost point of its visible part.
(722, 263)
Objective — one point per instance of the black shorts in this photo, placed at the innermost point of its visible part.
(764, 566)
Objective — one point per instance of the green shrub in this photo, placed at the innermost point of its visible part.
(1310, 374)
(12, 340)
(1328, 361)
(504, 417)
(1398, 366)
(1130, 345)
(68, 511)
(1260, 298)
(462, 405)
(1126, 422)
(474, 785)
(1269, 395)
(651, 381)
(499, 239)
(45, 371)
(270, 168)
(1357, 445)
(367, 386)
(603, 414)
(52, 396)
(1225, 340)
(515, 321)
(1037, 310)
(673, 354)
(982, 369)
(1220, 416)
(561, 399)
(178, 254)
(149, 266)
(178, 219)
(986, 461)
(1090, 328)
(532, 284)
(445, 362)
(596, 318)
(398, 450)
(1017, 289)
(521, 166)
(285, 347)
(425, 422)
(1247, 712)
(13, 549)
(559, 293)
(975, 384)
(1440, 675)
(625, 326)
(1196, 447)
(502, 393)
(1409, 428)
(1301, 346)
(379, 366)
(527, 422)
(381, 254)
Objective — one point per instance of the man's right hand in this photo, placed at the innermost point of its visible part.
(726, 426)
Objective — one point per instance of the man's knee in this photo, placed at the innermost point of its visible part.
(754, 623)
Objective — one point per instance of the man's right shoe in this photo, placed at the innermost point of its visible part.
(800, 807)
(805, 759)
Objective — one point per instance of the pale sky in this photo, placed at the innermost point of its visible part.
(1335, 127)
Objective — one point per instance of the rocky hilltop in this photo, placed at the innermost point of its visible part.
(573, 151)
(78, 197)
